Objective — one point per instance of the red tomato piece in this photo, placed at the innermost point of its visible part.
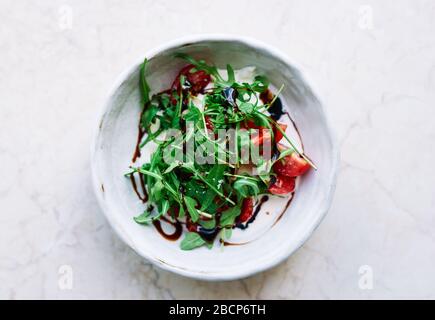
(198, 79)
(277, 133)
(191, 227)
(261, 137)
(208, 123)
(247, 210)
(250, 124)
(292, 165)
(282, 185)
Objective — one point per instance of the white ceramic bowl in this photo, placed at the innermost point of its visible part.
(271, 242)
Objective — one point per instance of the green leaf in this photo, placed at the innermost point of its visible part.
(145, 89)
(208, 224)
(156, 191)
(193, 114)
(264, 171)
(195, 190)
(261, 83)
(229, 216)
(164, 207)
(216, 179)
(262, 120)
(246, 107)
(246, 187)
(181, 212)
(231, 76)
(149, 115)
(150, 173)
(191, 204)
(226, 233)
(171, 167)
(201, 65)
(144, 218)
(191, 241)
(285, 153)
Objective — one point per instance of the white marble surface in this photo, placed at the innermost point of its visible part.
(374, 62)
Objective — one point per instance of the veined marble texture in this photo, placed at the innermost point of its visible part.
(373, 63)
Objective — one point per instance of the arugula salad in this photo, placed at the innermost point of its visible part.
(219, 149)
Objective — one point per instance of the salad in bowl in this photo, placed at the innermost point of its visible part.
(240, 154)
(213, 157)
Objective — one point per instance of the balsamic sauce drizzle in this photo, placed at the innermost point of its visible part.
(285, 209)
(143, 197)
(225, 243)
(171, 236)
(256, 211)
(276, 109)
(140, 135)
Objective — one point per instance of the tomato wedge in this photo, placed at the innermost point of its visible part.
(264, 133)
(247, 210)
(282, 185)
(261, 137)
(292, 165)
(250, 124)
(198, 80)
(208, 123)
(277, 133)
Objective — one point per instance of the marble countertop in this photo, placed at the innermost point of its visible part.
(374, 63)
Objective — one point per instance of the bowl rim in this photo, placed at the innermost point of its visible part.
(255, 268)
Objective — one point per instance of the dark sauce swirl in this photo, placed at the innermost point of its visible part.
(169, 236)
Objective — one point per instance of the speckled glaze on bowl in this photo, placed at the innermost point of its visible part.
(271, 242)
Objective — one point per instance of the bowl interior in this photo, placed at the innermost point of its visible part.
(269, 241)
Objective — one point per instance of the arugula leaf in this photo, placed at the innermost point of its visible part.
(149, 115)
(208, 224)
(191, 241)
(156, 191)
(150, 173)
(191, 204)
(171, 167)
(164, 207)
(226, 233)
(284, 154)
(231, 76)
(246, 187)
(193, 114)
(201, 65)
(229, 216)
(246, 107)
(261, 83)
(144, 218)
(145, 89)
(216, 179)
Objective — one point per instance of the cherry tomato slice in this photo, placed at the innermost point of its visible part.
(247, 210)
(198, 80)
(261, 137)
(292, 165)
(277, 133)
(208, 123)
(250, 124)
(282, 185)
